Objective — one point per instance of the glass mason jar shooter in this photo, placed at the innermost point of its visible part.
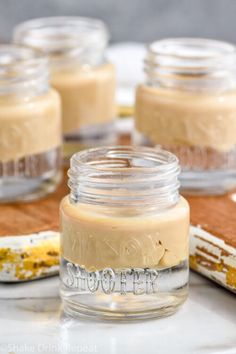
(30, 126)
(124, 235)
(80, 73)
(188, 106)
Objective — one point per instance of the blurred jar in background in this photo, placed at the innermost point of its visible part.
(80, 73)
(188, 106)
(30, 125)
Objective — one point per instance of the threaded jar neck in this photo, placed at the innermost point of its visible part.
(124, 176)
(65, 39)
(23, 71)
(191, 64)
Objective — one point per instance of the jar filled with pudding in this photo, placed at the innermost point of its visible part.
(80, 73)
(188, 106)
(124, 235)
(30, 126)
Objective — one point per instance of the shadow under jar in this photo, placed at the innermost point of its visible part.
(30, 126)
(188, 106)
(80, 73)
(124, 235)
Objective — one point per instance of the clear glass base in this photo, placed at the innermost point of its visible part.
(31, 177)
(123, 294)
(207, 183)
(89, 137)
(204, 171)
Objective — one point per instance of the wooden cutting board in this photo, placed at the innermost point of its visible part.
(29, 237)
(213, 238)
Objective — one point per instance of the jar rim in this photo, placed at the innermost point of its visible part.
(53, 34)
(160, 159)
(192, 48)
(11, 54)
(194, 64)
(22, 69)
(114, 176)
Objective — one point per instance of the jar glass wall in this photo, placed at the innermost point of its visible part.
(80, 73)
(30, 126)
(188, 106)
(124, 235)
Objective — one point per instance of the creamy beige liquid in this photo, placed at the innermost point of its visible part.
(29, 127)
(98, 240)
(88, 95)
(169, 117)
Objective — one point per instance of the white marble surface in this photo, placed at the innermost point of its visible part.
(31, 321)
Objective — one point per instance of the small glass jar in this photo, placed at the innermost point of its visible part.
(79, 72)
(188, 106)
(30, 126)
(124, 235)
